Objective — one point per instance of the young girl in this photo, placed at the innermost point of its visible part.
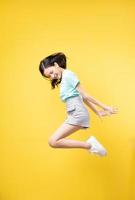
(54, 68)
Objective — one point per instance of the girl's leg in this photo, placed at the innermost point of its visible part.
(57, 140)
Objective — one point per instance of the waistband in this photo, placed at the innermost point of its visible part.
(74, 99)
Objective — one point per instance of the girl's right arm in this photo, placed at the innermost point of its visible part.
(89, 100)
(92, 106)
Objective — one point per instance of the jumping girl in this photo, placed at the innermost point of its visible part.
(54, 68)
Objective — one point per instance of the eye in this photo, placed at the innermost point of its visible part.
(51, 72)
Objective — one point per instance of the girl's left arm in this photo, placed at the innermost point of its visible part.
(89, 100)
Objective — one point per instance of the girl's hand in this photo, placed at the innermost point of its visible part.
(111, 110)
(108, 112)
(102, 113)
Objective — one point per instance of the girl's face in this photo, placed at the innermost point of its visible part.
(53, 72)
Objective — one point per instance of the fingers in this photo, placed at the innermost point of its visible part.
(115, 108)
(115, 111)
(104, 113)
(107, 112)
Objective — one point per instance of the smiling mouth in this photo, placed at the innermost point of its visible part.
(56, 77)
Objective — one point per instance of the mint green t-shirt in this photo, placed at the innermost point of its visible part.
(68, 85)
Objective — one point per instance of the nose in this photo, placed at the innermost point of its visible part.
(53, 76)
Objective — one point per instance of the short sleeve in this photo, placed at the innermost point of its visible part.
(74, 80)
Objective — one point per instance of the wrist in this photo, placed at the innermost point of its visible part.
(104, 107)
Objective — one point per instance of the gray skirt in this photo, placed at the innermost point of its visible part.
(77, 113)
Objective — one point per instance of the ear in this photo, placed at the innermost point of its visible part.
(55, 64)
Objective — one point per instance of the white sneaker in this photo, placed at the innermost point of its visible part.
(96, 147)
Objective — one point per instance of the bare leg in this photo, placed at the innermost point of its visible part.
(57, 140)
(69, 143)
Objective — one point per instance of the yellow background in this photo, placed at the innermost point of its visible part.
(98, 37)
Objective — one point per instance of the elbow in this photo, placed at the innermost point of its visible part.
(85, 97)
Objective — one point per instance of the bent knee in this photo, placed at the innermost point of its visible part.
(52, 143)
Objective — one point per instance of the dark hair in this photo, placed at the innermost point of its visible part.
(48, 61)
